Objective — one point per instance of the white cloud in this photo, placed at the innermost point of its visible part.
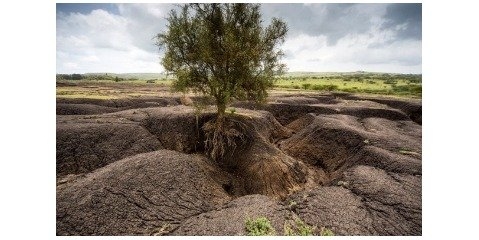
(101, 41)
(90, 58)
(372, 51)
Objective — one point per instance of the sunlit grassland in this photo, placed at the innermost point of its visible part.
(403, 85)
(371, 83)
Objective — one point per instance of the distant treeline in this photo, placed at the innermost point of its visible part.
(77, 76)
(361, 77)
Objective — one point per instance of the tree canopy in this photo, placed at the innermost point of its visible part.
(222, 50)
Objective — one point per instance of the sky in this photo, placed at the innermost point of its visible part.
(119, 38)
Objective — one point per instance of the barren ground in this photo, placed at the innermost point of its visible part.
(136, 166)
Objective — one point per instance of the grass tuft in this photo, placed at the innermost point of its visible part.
(259, 227)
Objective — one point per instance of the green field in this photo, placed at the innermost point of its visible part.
(373, 83)
(408, 85)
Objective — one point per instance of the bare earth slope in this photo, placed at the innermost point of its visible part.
(139, 195)
(348, 163)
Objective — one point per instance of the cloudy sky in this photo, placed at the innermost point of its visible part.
(322, 37)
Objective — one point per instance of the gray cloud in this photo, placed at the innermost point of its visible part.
(331, 20)
(407, 17)
(146, 21)
(321, 37)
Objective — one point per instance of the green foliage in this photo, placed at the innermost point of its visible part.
(223, 51)
(288, 231)
(390, 81)
(364, 82)
(303, 228)
(233, 110)
(151, 81)
(74, 76)
(298, 228)
(259, 227)
(329, 87)
(415, 89)
(326, 232)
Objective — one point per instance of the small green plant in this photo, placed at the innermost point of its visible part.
(233, 110)
(259, 227)
(298, 228)
(303, 228)
(288, 231)
(326, 232)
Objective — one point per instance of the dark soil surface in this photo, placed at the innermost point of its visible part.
(349, 163)
(84, 106)
(139, 195)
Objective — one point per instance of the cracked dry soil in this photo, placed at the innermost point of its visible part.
(137, 167)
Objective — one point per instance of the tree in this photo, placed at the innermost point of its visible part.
(222, 50)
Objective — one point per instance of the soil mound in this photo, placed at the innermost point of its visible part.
(82, 109)
(84, 106)
(230, 219)
(370, 201)
(375, 162)
(87, 144)
(287, 113)
(264, 169)
(146, 194)
(334, 143)
(259, 166)
(302, 122)
(302, 99)
(297, 100)
(348, 164)
(177, 128)
(412, 108)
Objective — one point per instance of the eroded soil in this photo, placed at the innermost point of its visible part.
(137, 166)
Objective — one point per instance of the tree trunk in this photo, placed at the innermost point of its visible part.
(221, 108)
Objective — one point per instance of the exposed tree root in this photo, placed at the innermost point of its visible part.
(224, 135)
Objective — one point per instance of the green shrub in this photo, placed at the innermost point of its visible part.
(259, 227)
(288, 231)
(298, 228)
(408, 89)
(390, 81)
(150, 81)
(303, 228)
(306, 85)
